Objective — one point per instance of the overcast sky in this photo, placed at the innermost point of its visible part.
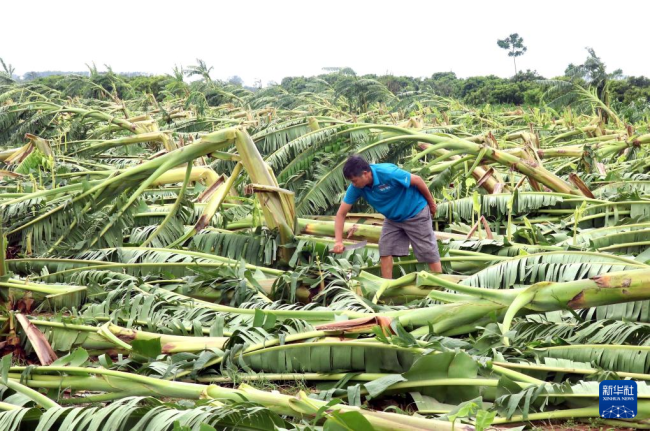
(273, 39)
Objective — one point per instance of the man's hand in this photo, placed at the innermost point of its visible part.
(419, 184)
(339, 223)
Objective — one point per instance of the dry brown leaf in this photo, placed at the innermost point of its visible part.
(41, 346)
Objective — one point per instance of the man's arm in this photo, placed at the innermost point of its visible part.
(339, 223)
(419, 183)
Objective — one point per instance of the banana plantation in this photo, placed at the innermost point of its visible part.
(166, 261)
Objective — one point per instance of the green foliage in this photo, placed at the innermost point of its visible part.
(142, 413)
(240, 302)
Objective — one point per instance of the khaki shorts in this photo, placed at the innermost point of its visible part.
(418, 231)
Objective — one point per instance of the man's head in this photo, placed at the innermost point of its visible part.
(357, 170)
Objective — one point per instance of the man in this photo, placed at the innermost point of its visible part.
(404, 199)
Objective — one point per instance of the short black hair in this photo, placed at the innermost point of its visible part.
(354, 167)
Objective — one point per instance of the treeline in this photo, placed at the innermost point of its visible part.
(526, 88)
(30, 76)
(359, 91)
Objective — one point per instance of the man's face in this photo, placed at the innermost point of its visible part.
(365, 179)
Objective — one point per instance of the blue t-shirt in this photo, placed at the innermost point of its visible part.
(390, 194)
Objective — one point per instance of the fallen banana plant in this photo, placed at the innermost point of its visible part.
(161, 244)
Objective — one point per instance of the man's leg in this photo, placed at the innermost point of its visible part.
(386, 266)
(392, 242)
(423, 240)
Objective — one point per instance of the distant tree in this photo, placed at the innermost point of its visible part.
(515, 46)
(527, 76)
(585, 87)
(30, 76)
(444, 84)
(236, 80)
(593, 72)
(397, 84)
